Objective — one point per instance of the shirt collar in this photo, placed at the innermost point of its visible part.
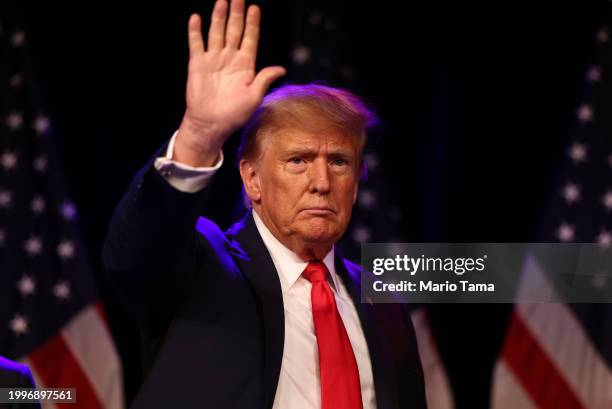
(288, 264)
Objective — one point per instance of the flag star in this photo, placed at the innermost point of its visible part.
(65, 249)
(8, 160)
(26, 285)
(607, 200)
(604, 239)
(14, 121)
(571, 193)
(578, 152)
(593, 73)
(367, 198)
(68, 210)
(40, 164)
(18, 38)
(315, 18)
(33, 246)
(5, 198)
(41, 124)
(301, 55)
(585, 113)
(602, 35)
(16, 81)
(37, 205)
(565, 232)
(361, 234)
(599, 280)
(62, 290)
(19, 324)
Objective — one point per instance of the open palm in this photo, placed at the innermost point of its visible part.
(223, 89)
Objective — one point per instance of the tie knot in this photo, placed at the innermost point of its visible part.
(315, 271)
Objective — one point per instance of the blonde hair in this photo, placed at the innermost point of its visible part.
(312, 107)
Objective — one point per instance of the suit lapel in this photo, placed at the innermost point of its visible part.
(255, 260)
(380, 358)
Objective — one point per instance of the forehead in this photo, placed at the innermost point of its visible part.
(328, 139)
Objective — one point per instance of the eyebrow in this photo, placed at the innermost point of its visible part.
(313, 152)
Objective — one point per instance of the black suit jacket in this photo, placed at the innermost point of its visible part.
(211, 310)
(15, 375)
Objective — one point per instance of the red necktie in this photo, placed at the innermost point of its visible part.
(340, 388)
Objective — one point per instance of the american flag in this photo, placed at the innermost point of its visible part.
(322, 51)
(559, 355)
(50, 315)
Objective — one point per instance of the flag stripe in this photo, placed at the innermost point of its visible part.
(571, 351)
(437, 388)
(101, 312)
(508, 392)
(567, 345)
(92, 347)
(39, 384)
(58, 368)
(538, 375)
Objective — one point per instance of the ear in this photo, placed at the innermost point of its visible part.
(355, 191)
(250, 180)
(362, 176)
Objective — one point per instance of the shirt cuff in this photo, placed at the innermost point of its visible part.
(183, 177)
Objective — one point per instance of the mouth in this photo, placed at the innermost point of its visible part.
(319, 211)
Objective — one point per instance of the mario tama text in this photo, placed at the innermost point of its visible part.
(432, 286)
(421, 269)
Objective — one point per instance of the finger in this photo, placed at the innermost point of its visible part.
(251, 33)
(266, 77)
(235, 24)
(216, 31)
(194, 34)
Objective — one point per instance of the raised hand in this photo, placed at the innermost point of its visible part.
(223, 89)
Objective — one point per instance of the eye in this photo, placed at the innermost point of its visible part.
(296, 160)
(339, 162)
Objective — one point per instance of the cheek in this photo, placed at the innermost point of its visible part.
(282, 196)
(287, 188)
(347, 195)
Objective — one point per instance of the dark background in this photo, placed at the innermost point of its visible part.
(477, 101)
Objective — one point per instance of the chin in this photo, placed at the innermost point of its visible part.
(319, 231)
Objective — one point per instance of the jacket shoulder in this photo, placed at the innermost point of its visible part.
(14, 374)
(353, 269)
(216, 240)
(210, 230)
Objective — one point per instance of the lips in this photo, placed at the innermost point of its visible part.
(319, 210)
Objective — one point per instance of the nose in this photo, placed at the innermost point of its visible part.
(319, 177)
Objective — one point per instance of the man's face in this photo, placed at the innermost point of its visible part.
(305, 185)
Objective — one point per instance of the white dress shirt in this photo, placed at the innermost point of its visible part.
(299, 385)
(183, 177)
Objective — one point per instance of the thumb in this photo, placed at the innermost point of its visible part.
(267, 76)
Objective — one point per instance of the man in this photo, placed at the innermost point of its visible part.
(16, 375)
(267, 314)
